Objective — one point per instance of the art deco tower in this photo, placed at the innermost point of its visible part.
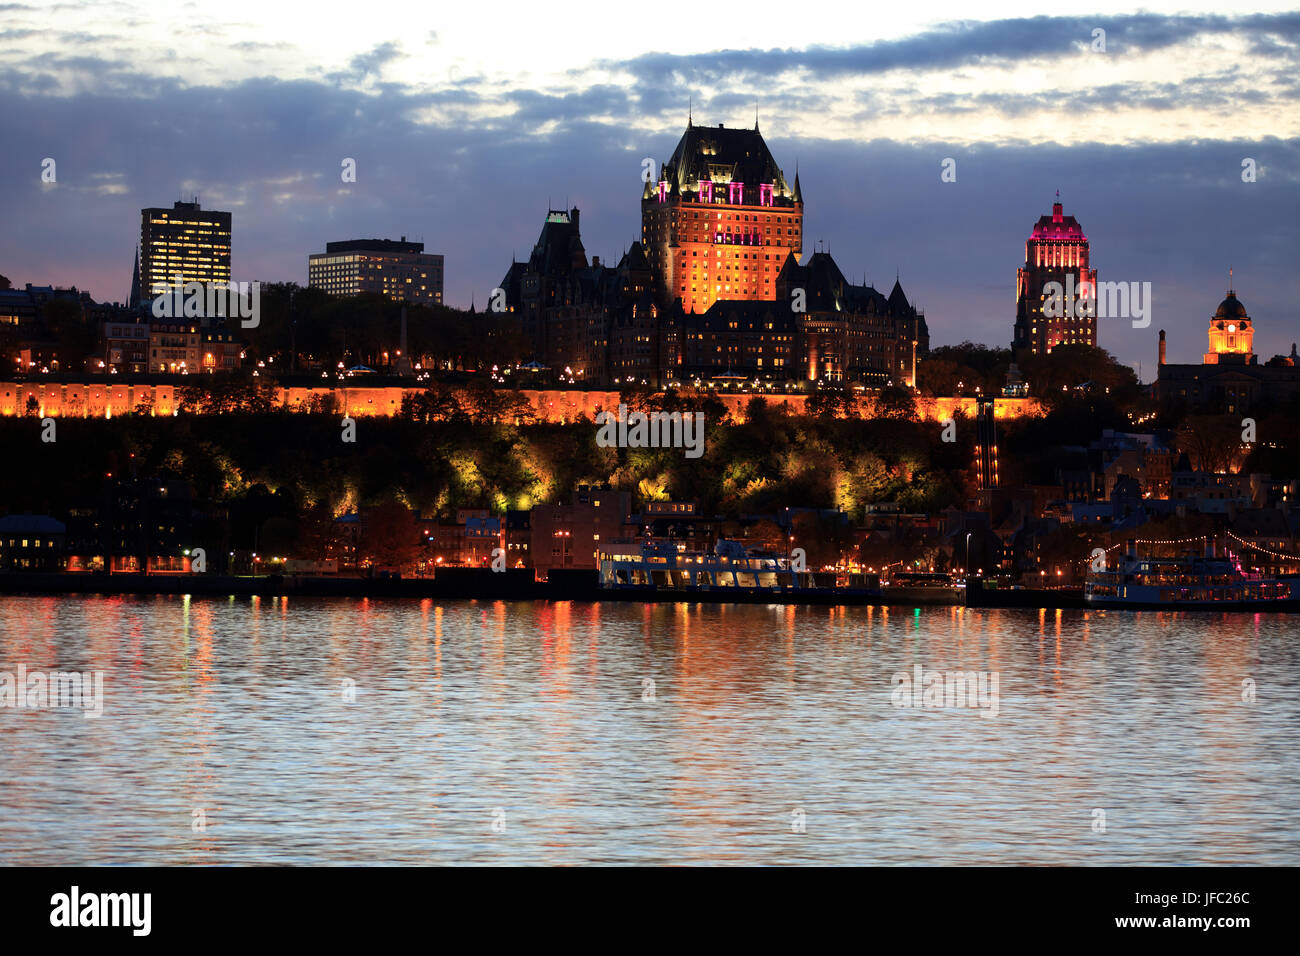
(1056, 251)
(721, 219)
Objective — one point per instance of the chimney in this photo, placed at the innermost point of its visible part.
(573, 218)
(1162, 346)
(595, 262)
(403, 238)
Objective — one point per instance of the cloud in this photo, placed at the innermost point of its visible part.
(963, 43)
(471, 166)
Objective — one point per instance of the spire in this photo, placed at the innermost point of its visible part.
(798, 191)
(1230, 290)
(134, 299)
(690, 110)
(755, 116)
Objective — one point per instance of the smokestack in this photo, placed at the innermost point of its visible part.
(1162, 346)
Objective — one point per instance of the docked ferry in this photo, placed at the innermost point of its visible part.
(1188, 582)
(729, 572)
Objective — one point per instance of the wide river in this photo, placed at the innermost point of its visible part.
(244, 731)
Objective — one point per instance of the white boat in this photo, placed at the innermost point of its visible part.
(1191, 581)
(664, 566)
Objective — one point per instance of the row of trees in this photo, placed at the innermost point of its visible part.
(969, 369)
(323, 330)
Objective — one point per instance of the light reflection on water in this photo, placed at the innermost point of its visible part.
(237, 708)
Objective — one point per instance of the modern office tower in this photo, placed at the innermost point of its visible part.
(185, 241)
(720, 220)
(1056, 251)
(399, 270)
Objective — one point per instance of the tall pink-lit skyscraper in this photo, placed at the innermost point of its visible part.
(1056, 251)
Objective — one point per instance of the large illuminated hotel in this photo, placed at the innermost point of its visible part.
(714, 292)
(720, 220)
(397, 270)
(185, 241)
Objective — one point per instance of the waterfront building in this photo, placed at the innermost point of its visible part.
(32, 543)
(570, 534)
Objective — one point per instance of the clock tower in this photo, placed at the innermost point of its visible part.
(1232, 333)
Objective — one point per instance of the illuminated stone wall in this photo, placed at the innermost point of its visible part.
(57, 400)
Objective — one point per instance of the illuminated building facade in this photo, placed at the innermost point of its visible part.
(184, 241)
(1230, 378)
(397, 270)
(589, 322)
(720, 220)
(852, 333)
(175, 348)
(1231, 334)
(1056, 251)
(986, 447)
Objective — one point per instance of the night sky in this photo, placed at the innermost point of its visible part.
(466, 125)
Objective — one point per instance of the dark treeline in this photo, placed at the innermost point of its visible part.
(361, 330)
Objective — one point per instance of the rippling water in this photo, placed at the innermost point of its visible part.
(530, 733)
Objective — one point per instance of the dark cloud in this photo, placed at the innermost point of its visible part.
(476, 188)
(958, 44)
(370, 63)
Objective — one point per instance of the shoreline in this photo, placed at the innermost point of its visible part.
(467, 584)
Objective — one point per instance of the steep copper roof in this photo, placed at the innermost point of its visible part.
(723, 155)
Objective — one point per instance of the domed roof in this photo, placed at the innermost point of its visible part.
(1230, 308)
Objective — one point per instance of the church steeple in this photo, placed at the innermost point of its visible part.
(133, 299)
